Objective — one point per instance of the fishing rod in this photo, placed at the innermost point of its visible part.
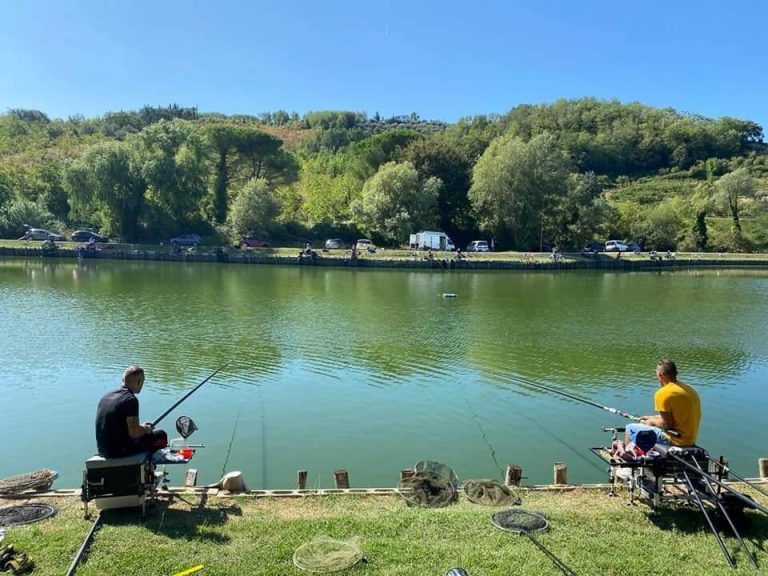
(727, 470)
(585, 401)
(187, 395)
(573, 397)
(84, 546)
(749, 502)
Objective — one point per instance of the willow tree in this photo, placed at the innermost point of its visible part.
(396, 202)
(732, 188)
(254, 209)
(327, 188)
(172, 158)
(517, 186)
(106, 185)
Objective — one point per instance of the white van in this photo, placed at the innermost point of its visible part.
(427, 240)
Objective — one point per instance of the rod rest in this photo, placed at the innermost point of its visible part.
(690, 452)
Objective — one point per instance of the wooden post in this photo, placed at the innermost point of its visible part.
(342, 478)
(762, 464)
(719, 468)
(302, 481)
(406, 473)
(561, 473)
(513, 475)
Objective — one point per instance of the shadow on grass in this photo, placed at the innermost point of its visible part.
(752, 525)
(689, 520)
(181, 518)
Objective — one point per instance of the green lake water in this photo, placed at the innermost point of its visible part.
(373, 370)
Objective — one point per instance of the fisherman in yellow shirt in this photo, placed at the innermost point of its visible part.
(679, 410)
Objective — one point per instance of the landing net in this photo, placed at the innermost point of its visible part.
(26, 514)
(427, 490)
(490, 493)
(441, 470)
(520, 521)
(39, 480)
(324, 554)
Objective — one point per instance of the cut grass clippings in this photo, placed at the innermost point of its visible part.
(590, 532)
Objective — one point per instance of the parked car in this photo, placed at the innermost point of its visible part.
(478, 246)
(616, 246)
(186, 240)
(365, 244)
(252, 242)
(334, 244)
(41, 234)
(86, 236)
(593, 248)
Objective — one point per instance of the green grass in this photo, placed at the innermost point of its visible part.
(590, 532)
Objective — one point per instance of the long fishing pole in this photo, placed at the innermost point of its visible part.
(748, 501)
(726, 469)
(84, 546)
(573, 397)
(187, 395)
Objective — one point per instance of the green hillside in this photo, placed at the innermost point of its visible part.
(558, 174)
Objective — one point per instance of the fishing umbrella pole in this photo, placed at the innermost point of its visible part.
(187, 395)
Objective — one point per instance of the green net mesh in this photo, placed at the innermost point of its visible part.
(518, 520)
(439, 469)
(40, 480)
(427, 490)
(26, 513)
(490, 493)
(324, 554)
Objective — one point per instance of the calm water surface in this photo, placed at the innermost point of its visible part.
(372, 370)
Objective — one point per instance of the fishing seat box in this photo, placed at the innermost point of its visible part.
(118, 482)
(667, 466)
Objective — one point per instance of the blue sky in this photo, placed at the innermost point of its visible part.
(441, 59)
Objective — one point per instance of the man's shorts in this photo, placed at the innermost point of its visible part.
(633, 429)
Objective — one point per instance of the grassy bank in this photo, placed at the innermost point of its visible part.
(394, 254)
(590, 532)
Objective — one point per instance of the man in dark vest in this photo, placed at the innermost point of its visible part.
(118, 432)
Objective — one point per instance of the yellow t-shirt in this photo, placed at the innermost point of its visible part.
(682, 402)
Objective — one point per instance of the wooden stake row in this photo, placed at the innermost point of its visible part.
(514, 473)
(341, 477)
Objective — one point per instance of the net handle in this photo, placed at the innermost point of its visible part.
(559, 563)
(529, 532)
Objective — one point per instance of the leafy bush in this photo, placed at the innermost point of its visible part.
(21, 213)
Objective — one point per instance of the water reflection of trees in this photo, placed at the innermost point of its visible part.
(583, 330)
(593, 331)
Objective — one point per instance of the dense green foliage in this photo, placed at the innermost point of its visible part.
(562, 174)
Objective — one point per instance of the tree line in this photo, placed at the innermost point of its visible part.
(557, 174)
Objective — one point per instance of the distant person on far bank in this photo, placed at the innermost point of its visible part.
(679, 410)
(118, 431)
